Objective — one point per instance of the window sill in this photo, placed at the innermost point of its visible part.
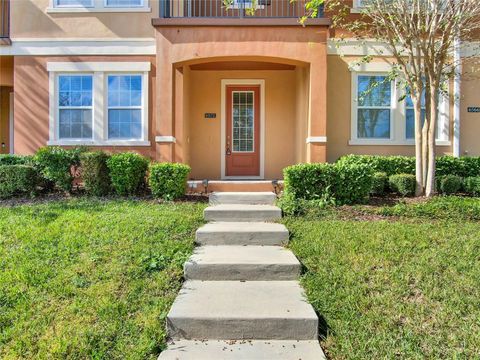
(63, 10)
(356, 10)
(366, 142)
(98, 143)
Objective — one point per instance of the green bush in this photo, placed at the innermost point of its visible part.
(391, 165)
(449, 165)
(471, 166)
(95, 173)
(128, 173)
(168, 180)
(472, 185)
(450, 184)
(379, 183)
(7, 159)
(347, 184)
(17, 180)
(57, 164)
(403, 184)
(292, 206)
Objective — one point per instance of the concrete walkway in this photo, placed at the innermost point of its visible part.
(241, 298)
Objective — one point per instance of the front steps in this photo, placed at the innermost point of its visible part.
(242, 263)
(241, 299)
(238, 233)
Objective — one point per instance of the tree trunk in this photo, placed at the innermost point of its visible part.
(419, 163)
(430, 188)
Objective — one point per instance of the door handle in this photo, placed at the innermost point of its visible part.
(228, 152)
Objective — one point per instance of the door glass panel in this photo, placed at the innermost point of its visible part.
(243, 115)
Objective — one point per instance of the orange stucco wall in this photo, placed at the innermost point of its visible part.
(470, 122)
(31, 102)
(204, 135)
(296, 45)
(339, 117)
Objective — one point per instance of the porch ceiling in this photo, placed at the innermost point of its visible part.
(241, 65)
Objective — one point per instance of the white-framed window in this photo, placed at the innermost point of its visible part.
(245, 4)
(99, 103)
(75, 106)
(99, 6)
(380, 117)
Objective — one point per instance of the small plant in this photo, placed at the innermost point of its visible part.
(450, 184)
(17, 180)
(352, 183)
(472, 185)
(403, 184)
(168, 180)
(95, 173)
(58, 165)
(128, 173)
(379, 183)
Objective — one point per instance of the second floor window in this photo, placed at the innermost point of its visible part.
(100, 5)
(74, 3)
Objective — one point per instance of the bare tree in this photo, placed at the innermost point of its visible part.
(421, 35)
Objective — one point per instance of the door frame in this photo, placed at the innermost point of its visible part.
(223, 125)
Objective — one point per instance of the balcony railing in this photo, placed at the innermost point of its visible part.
(233, 9)
(4, 22)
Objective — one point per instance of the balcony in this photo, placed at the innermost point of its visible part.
(5, 22)
(234, 9)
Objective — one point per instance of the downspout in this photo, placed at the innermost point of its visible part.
(457, 82)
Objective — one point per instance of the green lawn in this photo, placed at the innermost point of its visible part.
(90, 279)
(395, 282)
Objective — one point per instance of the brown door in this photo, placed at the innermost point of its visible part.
(242, 151)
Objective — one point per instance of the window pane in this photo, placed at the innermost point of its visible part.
(243, 121)
(74, 3)
(373, 124)
(125, 91)
(124, 3)
(124, 124)
(409, 102)
(374, 91)
(75, 91)
(75, 124)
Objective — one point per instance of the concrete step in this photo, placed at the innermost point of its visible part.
(241, 233)
(233, 212)
(243, 350)
(235, 310)
(247, 198)
(254, 263)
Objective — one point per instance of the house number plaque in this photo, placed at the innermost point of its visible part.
(473, 109)
(210, 116)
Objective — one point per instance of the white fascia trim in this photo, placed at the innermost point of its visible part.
(166, 139)
(65, 47)
(356, 47)
(386, 142)
(98, 143)
(316, 139)
(98, 66)
(62, 10)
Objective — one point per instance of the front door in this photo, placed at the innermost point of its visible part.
(242, 153)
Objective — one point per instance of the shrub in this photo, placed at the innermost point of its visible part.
(168, 180)
(403, 184)
(7, 159)
(471, 166)
(17, 180)
(450, 184)
(472, 185)
(55, 164)
(352, 183)
(379, 183)
(347, 184)
(95, 173)
(449, 165)
(391, 165)
(127, 173)
(292, 206)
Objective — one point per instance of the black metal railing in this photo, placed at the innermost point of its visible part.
(234, 9)
(4, 19)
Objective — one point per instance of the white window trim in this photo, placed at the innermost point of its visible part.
(97, 6)
(100, 71)
(398, 115)
(356, 7)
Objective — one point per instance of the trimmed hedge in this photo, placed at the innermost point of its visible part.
(403, 184)
(7, 159)
(393, 165)
(450, 184)
(168, 180)
(128, 172)
(56, 164)
(346, 184)
(17, 180)
(379, 183)
(472, 185)
(95, 173)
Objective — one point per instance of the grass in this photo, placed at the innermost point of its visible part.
(91, 279)
(399, 281)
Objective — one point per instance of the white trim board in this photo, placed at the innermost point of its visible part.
(10, 122)
(46, 46)
(98, 66)
(316, 139)
(166, 139)
(223, 125)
